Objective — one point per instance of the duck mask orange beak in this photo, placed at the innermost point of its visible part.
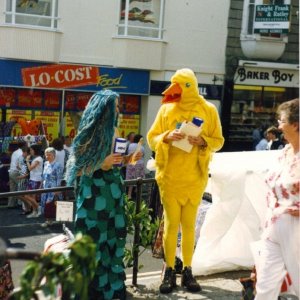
(172, 93)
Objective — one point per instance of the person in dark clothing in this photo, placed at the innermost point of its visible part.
(4, 176)
(273, 135)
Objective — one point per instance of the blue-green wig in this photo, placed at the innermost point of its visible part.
(93, 141)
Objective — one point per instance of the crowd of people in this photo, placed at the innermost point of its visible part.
(89, 164)
(268, 138)
(32, 167)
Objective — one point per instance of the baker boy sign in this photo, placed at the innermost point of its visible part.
(267, 76)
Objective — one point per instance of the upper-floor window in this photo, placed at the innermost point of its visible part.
(141, 18)
(37, 13)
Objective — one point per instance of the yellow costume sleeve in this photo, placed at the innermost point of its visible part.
(155, 138)
(212, 132)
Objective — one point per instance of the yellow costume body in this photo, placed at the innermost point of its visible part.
(182, 176)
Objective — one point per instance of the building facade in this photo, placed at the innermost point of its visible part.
(262, 67)
(55, 54)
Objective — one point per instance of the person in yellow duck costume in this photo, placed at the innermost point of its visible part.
(182, 176)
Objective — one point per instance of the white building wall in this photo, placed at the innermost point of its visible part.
(88, 28)
(194, 36)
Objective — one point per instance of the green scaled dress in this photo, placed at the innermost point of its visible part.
(100, 214)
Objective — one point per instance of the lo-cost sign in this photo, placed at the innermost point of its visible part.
(66, 76)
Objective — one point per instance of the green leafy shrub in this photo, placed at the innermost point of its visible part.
(73, 270)
(148, 229)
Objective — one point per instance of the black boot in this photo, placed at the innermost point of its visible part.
(120, 294)
(178, 265)
(169, 281)
(189, 281)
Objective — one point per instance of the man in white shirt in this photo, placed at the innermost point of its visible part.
(68, 143)
(13, 174)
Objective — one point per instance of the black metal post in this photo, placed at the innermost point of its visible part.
(136, 240)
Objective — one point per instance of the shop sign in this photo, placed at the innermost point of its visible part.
(73, 77)
(267, 77)
(209, 91)
(59, 76)
(272, 18)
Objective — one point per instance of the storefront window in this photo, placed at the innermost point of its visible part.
(129, 104)
(82, 100)
(7, 97)
(45, 105)
(32, 12)
(29, 98)
(129, 119)
(52, 100)
(141, 18)
(253, 105)
(70, 100)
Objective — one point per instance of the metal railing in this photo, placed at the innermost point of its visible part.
(12, 253)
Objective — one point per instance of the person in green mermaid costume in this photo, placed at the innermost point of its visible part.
(100, 192)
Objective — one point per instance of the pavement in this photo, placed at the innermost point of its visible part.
(28, 234)
(222, 286)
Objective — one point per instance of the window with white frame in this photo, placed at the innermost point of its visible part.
(141, 18)
(252, 7)
(37, 13)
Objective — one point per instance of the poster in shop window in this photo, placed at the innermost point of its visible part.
(128, 123)
(50, 121)
(14, 115)
(69, 127)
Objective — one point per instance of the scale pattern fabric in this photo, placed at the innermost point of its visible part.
(100, 214)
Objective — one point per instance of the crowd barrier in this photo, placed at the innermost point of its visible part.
(11, 253)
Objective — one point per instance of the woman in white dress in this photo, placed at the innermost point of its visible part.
(280, 251)
(34, 163)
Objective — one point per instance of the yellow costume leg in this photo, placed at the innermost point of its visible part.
(172, 213)
(188, 222)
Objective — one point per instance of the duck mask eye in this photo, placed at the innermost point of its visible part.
(187, 84)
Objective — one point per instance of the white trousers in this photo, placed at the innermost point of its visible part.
(280, 253)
